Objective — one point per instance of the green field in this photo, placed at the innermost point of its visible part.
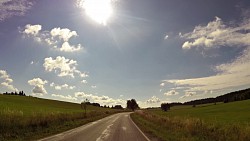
(224, 121)
(30, 105)
(226, 113)
(29, 118)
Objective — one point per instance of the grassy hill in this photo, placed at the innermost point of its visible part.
(29, 118)
(225, 113)
(30, 105)
(224, 121)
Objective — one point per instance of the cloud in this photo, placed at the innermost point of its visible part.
(4, 74)
(188, 94)
(52, 84)
(104, 100)
(84, 81)
(82, 74)
(166, 37)
(216, 34)
(171, 92)
(68, 97)
(32, 30)
(65, 34)
(9, 8)
(93, 86)
(9, 86)
(6, 81)
(60, 87)
(228, 75)
(66, 47)
(38, 84)
(66, 67)
(57, 38)
(153, 99)
(162, 84)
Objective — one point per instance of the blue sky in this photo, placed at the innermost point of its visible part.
(112, 50)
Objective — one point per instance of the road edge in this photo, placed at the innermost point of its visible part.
(139, 129)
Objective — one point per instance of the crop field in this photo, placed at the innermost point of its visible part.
(223, 121)
(29, 118)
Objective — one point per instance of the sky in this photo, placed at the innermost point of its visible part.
(109, 51)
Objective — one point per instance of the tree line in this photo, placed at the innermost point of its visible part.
(20, 93)
(98, 105)
(229, 97)
(131, 104)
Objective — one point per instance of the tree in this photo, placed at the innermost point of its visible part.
(132, 104)
(96, 104)
(84, 106)
(165, 106)
(117, 107)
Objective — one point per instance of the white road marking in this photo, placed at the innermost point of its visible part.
(139, 130)
(124, 128)
(105, 134)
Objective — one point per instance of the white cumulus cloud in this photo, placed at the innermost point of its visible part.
(38, 84)
(60, 87)
(58, 38)
(66, 67)
(65, 34)
(32, 30)
(6, 81)
(66, 47)
(153, 99)
(104, 100)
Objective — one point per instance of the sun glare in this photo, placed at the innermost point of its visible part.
(98, 10)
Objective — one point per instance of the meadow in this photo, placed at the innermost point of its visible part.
(30, 118)
(220, 122)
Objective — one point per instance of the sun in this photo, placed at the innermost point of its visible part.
(98, 10)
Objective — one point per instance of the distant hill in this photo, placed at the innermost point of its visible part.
(230, 97)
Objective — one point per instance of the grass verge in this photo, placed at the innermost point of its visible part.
(16, 127)
(196, 125)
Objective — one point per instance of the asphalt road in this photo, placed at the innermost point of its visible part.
(118, 127)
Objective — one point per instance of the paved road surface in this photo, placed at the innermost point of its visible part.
(118, 127)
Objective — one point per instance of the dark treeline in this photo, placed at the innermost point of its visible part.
(21, 93)
(98, 105)
(175, 104)
(93, 104)
(230, 97)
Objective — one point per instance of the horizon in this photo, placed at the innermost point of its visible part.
(110, 51)
(124, 106)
